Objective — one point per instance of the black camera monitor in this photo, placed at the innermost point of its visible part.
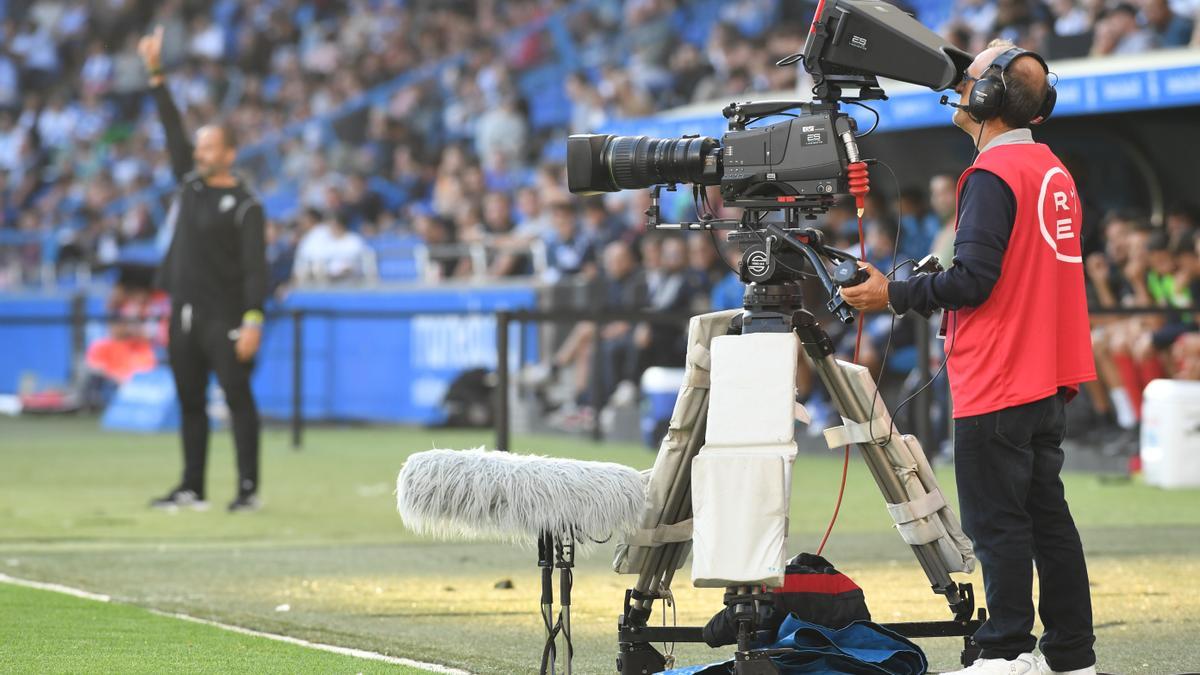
(872, 37)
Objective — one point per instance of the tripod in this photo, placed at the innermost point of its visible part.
(773, 305)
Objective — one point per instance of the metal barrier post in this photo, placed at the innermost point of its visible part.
(501, 405)
(297, 379)
(597, 379)
(78, 332)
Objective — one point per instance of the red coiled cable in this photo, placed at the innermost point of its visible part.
(860, 185)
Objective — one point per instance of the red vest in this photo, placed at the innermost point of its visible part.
(1031, 335)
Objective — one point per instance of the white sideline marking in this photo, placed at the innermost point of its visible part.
(57, 588)
(344, 651)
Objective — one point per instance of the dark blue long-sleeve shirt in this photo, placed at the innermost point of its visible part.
(987, 210)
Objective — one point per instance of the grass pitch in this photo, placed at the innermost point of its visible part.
(329, 546)
(46, 632)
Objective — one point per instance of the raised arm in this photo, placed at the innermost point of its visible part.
(178, 146)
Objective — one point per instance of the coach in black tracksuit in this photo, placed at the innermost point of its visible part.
(216, 273)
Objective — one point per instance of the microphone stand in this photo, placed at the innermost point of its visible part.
(556, 553)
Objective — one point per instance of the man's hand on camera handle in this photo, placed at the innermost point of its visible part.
(871, 294)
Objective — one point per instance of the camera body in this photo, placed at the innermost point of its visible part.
(801, 160)
(799, 163)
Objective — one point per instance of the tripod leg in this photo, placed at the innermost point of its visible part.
(857, 408)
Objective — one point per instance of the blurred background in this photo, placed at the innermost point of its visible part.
(409, 154)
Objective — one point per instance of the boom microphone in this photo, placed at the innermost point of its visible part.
(559, 503)
(945, 100)
(483, 494)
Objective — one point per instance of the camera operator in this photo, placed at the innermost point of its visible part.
(216, 273)
(1018, 348)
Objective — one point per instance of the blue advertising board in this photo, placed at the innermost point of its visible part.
(394, 367)
(1091, 87)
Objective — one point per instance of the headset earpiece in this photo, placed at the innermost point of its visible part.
(1047, 105)
(986, 100)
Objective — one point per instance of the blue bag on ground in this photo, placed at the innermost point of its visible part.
(861, 648)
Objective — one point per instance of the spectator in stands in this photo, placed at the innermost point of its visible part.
(729, 291)
(570, 251)
(841, 224)
(330, 253)
(705, 268)
(919, 225)
(501, 132)
(10, 79)
(942, 200)
(598, 224)
(361, 206)
(669, 291)
(1169, 28)
(587, 106)
(1163, 276)
(436, 232)
(622, 286)
(500, 234)
(1118, 32)
(1070, 18)
(1181, 221)
(532, 219)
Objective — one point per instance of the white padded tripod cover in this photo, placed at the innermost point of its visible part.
(741, 479)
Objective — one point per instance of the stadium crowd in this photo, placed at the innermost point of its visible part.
(385, 120)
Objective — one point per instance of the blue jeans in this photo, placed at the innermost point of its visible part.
(1007, 466)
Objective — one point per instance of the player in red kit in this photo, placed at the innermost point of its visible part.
(1018, 347)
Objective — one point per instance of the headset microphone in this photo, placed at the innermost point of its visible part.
(946, 101)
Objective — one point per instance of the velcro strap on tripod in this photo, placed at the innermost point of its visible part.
(663, 534)
(912, 518)
(874, 430)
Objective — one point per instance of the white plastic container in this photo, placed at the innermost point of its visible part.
(1170, 443)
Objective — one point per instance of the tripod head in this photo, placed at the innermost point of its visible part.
(776, 257)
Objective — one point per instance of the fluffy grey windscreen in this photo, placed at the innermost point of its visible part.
(499, 495)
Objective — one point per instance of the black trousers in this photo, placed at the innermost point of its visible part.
(1007, 466)
(201, 344)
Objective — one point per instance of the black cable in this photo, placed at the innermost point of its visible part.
(895, 266)
(891, 330)
(873, 111)
(978, 138)
(953, 339)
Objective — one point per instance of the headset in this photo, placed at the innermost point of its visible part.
(986, 99)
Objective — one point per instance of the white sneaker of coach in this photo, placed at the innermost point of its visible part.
(1024, 664)
(1045, 669)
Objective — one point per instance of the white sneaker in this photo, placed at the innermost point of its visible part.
(1044, 669)
(1024, 664)
(625, 395)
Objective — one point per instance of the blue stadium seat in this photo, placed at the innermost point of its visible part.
(543, 89)
(394, 197)
(282, 203)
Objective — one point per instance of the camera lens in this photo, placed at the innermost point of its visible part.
(602, 163)
(641, 161)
